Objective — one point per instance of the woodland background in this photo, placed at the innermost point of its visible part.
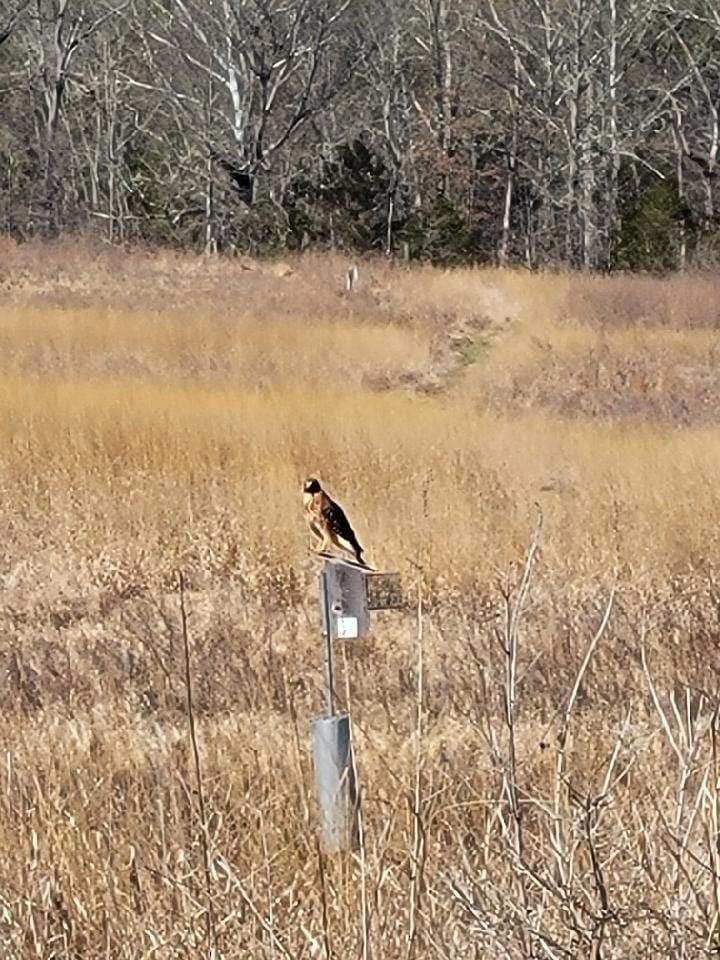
(541, 132)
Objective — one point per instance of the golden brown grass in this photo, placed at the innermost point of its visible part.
(159, 411)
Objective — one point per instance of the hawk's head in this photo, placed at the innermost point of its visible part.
(312, 486)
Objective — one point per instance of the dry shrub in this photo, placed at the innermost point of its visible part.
(678, 302)
(632, 348)
(648, 375)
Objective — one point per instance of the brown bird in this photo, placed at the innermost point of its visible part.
(328, 523)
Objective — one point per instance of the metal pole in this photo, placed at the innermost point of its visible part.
(335, 788)
(327, 646)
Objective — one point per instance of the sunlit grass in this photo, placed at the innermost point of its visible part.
(245, 348)
(422, 478)
(159, 413)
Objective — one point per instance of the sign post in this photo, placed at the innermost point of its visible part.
(347, 592)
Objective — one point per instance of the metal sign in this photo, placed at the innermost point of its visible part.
(346, 600)
(353, 592)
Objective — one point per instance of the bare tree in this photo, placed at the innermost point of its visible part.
(51, 33)
(538, 129)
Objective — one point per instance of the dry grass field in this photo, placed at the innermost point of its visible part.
(535, 734)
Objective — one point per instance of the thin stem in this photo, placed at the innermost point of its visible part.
(210, 916)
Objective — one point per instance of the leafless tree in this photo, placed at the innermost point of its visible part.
(52, 33)
(541, 126)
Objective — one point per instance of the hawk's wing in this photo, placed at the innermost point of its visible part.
(334, 516)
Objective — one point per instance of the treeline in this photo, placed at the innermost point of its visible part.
(577, 132)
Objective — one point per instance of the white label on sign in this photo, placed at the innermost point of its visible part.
(347, 628)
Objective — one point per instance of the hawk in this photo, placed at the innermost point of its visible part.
(327, 522)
